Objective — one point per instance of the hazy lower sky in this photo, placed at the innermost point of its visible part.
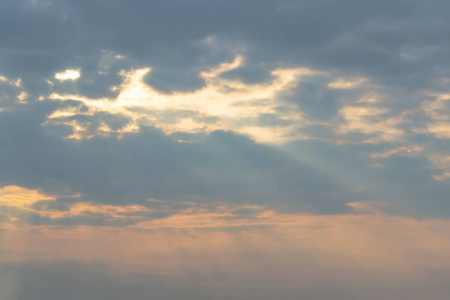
(203, 149)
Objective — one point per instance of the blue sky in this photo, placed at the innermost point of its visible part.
(224, 149)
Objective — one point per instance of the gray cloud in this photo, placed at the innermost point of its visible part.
(386, 40)
(400, 46)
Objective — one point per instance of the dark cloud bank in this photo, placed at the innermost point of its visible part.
(73, 280)
(364, 38)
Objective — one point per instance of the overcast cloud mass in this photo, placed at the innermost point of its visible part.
(224, 149)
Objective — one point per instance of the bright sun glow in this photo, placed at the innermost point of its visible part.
(227, 104)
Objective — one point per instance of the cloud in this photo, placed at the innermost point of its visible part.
(222, 104)
(344, 84)
(13, 93)
(23, 207)
(438, 110)
(370, 121)
(69, 74)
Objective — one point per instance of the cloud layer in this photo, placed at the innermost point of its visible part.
(210, 149)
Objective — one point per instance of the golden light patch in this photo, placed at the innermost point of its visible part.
(22, 97)
(21, 197)
(19, 95)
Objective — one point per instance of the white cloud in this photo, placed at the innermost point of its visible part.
(69, 74)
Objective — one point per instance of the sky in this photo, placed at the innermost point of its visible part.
(197, 149)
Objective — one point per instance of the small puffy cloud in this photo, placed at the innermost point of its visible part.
(22, 97)
(69, 74)
(16, 83)
(12, 91)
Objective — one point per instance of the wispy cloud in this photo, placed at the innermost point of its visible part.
(222, 104)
